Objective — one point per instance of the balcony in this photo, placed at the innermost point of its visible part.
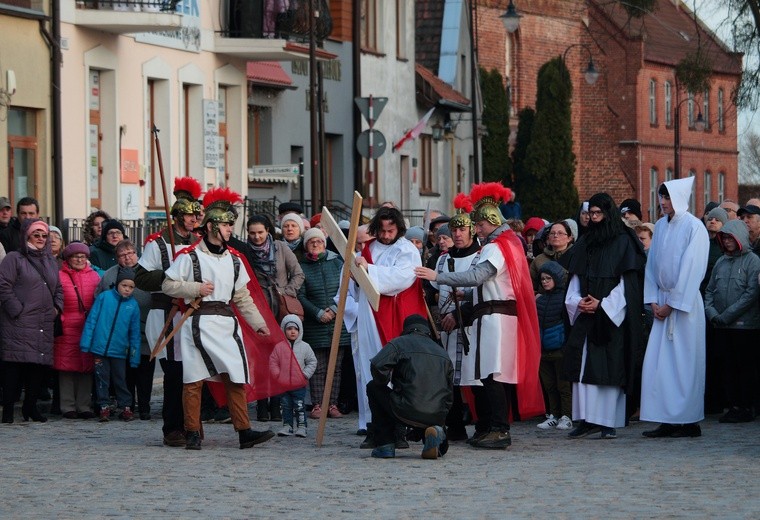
(254, 31)
(127, 16)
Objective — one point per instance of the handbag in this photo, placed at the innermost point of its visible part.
(288, 305)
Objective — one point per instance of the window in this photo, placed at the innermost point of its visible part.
(401, 29)
(652, 102)
(721, 123)
(654, 203)
(668, 104)
(693, 197)
(690, 104)
(668, 174)
(22, 153)
(369, 25)
(707, 186)
(706, 108)
(721, 186)
(426, 164)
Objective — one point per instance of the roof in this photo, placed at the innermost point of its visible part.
(427, 36)
(432, 90)
(669, 33)
(268, 74)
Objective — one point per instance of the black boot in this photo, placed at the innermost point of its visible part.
(193, 440)
(262, 410)
(275, 413)
(369, 441)
(399, 435)
(249, 438)
(30, 411)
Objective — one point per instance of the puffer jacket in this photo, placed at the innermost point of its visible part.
(281, 358)
(550, 307)
(321, 284)
(102, 254)
(422, 376)
(112, 328)
(67, 355)
(28, 307)
(731, 297)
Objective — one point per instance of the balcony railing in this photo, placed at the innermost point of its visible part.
(261, 19)
(148, 6)
(128, 16)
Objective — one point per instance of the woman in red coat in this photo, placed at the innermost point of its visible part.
(75, 367)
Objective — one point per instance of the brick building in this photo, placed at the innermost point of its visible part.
(624, 124)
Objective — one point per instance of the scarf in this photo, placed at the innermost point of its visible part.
(263, 258)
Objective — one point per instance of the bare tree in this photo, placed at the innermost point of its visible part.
(749, 159)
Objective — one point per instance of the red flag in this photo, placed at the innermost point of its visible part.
(414, 132)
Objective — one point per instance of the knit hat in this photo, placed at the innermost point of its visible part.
(631, 206)
(443, 231)
(76, 248)
(125, 273)
(313, 233)
(719, 213)
(437, 220)
(415, 232)
(54, 229)
(295, 218)
(37, 225)
(573, 225)
(316, 219)
(108, 225)
(345, 225)
(534, 224)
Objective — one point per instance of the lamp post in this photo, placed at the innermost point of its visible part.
(591, 73)
(699, 126)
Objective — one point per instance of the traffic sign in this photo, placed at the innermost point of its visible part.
(378, 104)
(378, 144)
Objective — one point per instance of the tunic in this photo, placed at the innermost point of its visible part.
(211, 344)
(673, 376)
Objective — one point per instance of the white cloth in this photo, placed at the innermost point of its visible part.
(154, 324)
(464, 365)
(361, 370)
(217, 336)
(673, 374)
(598, 404)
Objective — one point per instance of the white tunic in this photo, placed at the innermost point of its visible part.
(361, 369)
(673, 374)
(464, 365)
(154, 324)
(598, 404)
(217, 336)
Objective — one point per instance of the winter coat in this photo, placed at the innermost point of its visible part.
(422, 377)
(113, 328)
(550, 306)
(10, 237)
(108, 281)
(731, 298)
(67, 355)
(548, 255)
(321, 284)
(301, 352)
(288, 275)
(102, 254)
(28, 307)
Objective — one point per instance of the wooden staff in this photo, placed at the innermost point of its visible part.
(163, 188)
(356, 212)
(194, 305)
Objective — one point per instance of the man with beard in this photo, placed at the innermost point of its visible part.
(389, 260)
(504, 335)
(458, 259)
(604, 303)
(157, 257)
(211, 339)
(673, 376)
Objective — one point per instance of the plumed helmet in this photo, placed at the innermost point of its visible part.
(461, 218)
(187, 190)
(486, 198)
(219, 206)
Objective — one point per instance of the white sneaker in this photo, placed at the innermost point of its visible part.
(564, 423)
(286, 431)
(301, 431)
(549, 423)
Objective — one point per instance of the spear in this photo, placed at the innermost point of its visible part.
(163, 189)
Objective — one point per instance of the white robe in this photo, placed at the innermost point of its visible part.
(154, 324)
(673, 374)
(361, 369)
(219, 336)
(464, 365)
(598, 404)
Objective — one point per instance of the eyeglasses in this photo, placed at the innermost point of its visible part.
(557, 234)
(39, 235)
(546, 278)
(78, 257)
(595, 212)
(729, 210)
(126, 254)
(114, 233)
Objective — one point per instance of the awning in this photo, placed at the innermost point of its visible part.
(274, 173)
(268, 74)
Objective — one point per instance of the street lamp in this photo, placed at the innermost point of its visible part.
(591, 73)
(511, 18)
(699, 126)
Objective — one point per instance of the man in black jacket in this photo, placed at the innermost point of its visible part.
(420, 374)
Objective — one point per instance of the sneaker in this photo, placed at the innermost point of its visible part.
(434, 436)
(477, 435)
(316, 412)
(175, 439)
(301, 431)
(494, 440)
(549, 423)
(249, 438)
(386, 451)
(105, 414)
(193, 441)
(608, 433)
(126, 414)
(333, 412)
(564, 423)
(285, 431)
(584, 429)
